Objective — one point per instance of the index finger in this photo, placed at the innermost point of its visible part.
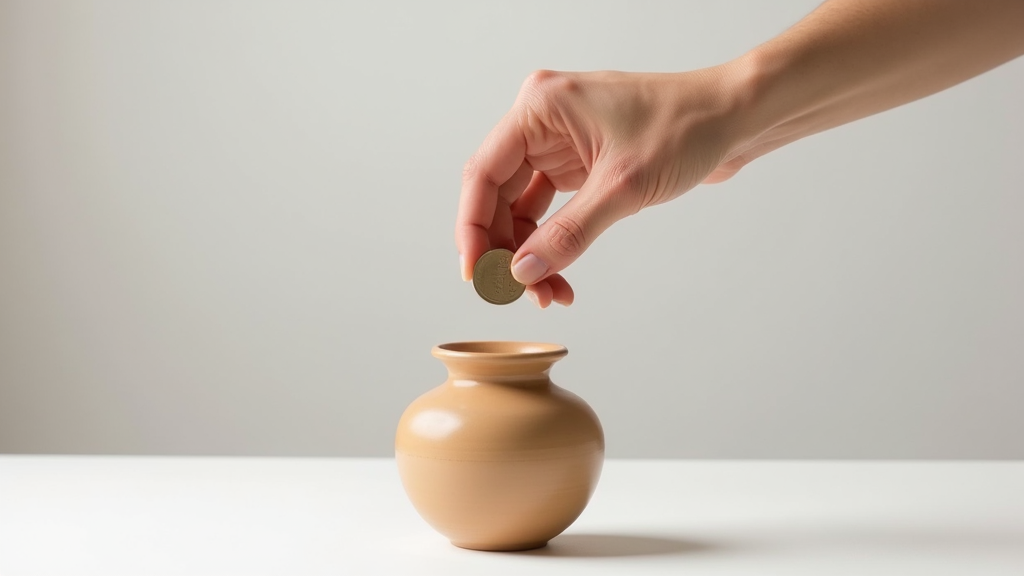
(497, 160)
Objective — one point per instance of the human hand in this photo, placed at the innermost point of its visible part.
(628, 141)
(624, 141)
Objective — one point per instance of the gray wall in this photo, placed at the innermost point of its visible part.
(226, 228)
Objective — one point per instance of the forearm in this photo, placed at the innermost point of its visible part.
(853, 58)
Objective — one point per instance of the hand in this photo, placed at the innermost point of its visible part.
(625, 141)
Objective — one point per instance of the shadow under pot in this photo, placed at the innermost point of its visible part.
(498, 457)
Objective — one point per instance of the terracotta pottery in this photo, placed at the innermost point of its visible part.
(498, 457)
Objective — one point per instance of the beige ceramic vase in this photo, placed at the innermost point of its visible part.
(498, 457)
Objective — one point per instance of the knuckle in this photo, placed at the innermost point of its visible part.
(539, 78)
(566, 237)
(548, 84)
(474, 172)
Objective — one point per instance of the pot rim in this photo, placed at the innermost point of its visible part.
(500, 350)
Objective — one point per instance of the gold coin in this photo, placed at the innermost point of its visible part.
(492, 278)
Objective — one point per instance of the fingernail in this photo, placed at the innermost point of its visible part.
(529, 269)
(562, 303)
(533, 298)
(462, 268)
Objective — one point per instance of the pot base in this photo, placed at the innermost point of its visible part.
(502, 547)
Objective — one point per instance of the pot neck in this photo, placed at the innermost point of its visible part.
(528, 374)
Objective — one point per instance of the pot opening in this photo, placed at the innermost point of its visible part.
(494, 349)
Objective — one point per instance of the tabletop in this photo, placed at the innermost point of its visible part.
(253, 516)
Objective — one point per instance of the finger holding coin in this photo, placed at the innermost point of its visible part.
(526, 212)
(485, 218)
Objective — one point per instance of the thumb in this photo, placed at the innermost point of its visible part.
(563, 237)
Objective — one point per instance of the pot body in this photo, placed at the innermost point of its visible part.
(498, 457)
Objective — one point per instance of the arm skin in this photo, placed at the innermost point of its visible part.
(853, 58)
(627, 141)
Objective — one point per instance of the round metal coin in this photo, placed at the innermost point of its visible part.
(492, 278)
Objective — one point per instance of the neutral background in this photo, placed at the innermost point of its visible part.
(226, 228)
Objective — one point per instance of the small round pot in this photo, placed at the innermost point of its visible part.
(498, 457)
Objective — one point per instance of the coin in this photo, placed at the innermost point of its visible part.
(492, 278)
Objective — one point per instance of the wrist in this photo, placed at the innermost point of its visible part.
(752, 83)
(771, 101)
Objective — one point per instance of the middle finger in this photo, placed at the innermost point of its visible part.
(501, 233)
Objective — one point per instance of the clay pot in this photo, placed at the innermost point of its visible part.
(498, 457)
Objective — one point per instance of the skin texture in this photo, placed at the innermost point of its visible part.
(626, 141)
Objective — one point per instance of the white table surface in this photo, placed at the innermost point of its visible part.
(183, 516)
